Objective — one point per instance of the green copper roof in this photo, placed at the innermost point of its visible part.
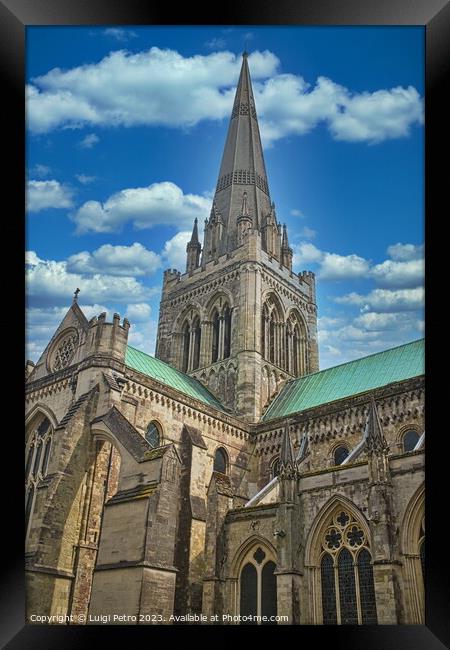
(348, 379)
(169, 376)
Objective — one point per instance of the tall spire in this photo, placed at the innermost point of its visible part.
(193, 249)
(242, 166)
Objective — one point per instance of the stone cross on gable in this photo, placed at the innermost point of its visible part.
(75, 295)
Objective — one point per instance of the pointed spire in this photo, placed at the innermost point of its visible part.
(375, 440)
(193, 250)
(288, 464)
(194, 237)
(285, 242)
(242, 164)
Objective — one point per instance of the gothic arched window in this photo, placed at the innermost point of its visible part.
(226, 332)
(37, 460)
(258, 587)
(185, 356)
(196, 343)
(348, 591)
(275, 467)
(220, 461)
(215, 336)
(340, 454)
(153, 434)
(410, 440)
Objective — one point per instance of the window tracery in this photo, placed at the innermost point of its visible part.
(348, 593)
(36, 464)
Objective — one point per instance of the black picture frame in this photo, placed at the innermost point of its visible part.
(15, 16)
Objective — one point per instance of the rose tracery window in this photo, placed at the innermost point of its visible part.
(348, 593)
(65, 351)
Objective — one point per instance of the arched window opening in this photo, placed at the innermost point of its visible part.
(227, 332)
(295, 351)
(268, 592)
(275, 469)
(37, 461)
(410, 440)
(249, 593)
(340, 454)
(186, 336)
(346, 573)
(272, 338)
(258, 587)
(215, 336)
(328, 590)
(220, 461)
(196, 343)
(366, 588)
(153, 434)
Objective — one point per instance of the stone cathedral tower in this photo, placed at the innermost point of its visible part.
(239, 319)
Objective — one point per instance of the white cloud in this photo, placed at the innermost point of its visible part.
(297, 213)
(163, 87)
(385, 300)
(373, 321)
(342, 267)
(146, 88)
(115, 260)
(289, 106)
(42, 195)
(138, 313)
(394, 274)
(50, 283)
(307, 233)
(406, 252)
(159, 203)
(84, 179)
(89, 141)
(119, 34)
(306, 254)
(175, 250)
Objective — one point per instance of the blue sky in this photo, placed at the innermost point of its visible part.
(125, 131)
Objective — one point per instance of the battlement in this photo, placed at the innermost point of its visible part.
(108, 338)
(307, 276)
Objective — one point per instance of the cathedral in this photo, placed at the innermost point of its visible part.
(227, 479)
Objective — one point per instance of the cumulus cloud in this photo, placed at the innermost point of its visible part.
(42, 195)
(399, 274)
(406, 252)
(385, 300)
(134, 260)
(175, 250)
(146, 88)
(89, 141)
(161, 87)
(331, 265)
(50, 283)
(138, 313)
(159, 203)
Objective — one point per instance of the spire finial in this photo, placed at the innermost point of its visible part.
(375, 440)
(75, 295)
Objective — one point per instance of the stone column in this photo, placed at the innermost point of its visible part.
(221, 337)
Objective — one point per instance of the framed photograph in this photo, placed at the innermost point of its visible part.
(225, 228)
